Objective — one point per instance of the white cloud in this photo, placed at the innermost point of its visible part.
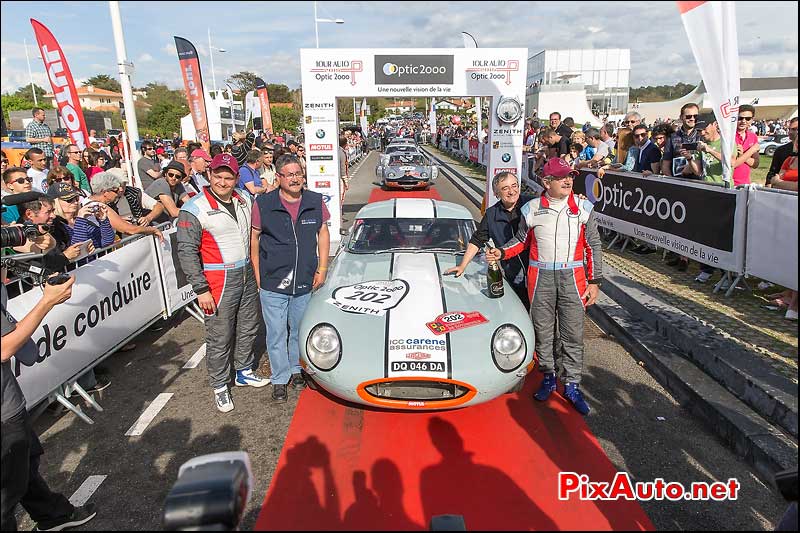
(145, 58)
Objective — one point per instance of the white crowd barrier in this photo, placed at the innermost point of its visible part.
(115, 297)
(772, 223)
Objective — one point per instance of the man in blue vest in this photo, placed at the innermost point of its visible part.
(500, 224)
(289, 248)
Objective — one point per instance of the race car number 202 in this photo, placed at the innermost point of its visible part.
(417, 366)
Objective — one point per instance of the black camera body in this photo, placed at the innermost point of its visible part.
(11, 236)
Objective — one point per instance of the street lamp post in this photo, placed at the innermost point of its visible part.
(211, 55)
(30, 72)
(318, 20)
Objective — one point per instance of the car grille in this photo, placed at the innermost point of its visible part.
(429, 391)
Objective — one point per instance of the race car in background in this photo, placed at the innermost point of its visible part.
(389, 330)
(407, 170)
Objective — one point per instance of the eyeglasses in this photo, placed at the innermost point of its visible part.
(59, 179)
(73, 152)
(293, 175)
(640, 134)
(559, 178)
(748, 119)
(23, 180)
(148, 149)
(175, 175)
(72, 200)
(689, 117)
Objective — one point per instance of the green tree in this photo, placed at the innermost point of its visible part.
(283, 117)
(164, 118)
(279, 92)
(245, 81)
(660, 93)
(25, 92)
(104, 81)
(13, 102)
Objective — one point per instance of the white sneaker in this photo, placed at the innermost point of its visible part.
(790, 315)
(223, 399)
(247, 378)
(703, 277)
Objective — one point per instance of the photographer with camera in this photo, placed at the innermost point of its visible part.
(21, 481)
(108, 188)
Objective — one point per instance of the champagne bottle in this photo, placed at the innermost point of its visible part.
(494, 278)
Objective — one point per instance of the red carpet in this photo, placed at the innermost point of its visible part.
(379, 194)
(496, 464)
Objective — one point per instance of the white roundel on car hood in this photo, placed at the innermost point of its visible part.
(369, 297)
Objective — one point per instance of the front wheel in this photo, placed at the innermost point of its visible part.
(770, 151)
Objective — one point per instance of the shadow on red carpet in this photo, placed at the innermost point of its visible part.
(497, 464)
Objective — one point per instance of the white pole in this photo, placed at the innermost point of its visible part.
(125, 70)
(211, 54)
(30, 72)
(354, 111)
(316, 24)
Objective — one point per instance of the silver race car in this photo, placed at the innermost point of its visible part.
(389, 330)
(407, 171)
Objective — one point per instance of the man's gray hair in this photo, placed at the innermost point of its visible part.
(500, 176)
(286, 159)
(105, 181)
(633, 114)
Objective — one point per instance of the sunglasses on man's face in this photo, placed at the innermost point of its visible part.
(174, 175)
(748, 119)
(689, 117)
(20, 181)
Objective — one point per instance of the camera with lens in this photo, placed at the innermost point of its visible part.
(11, 236)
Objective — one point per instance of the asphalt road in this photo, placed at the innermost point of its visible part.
(641, 428)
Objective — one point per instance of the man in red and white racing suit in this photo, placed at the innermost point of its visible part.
(564, 272)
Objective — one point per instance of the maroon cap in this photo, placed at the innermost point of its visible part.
(197, 152)
(558, 168)
(225, 160)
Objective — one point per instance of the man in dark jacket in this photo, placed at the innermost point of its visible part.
(289, 248)
(500, 224)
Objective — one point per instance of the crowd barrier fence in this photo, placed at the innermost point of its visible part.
(119, 291)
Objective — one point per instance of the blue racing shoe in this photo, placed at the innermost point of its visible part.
(546, 388)
(247, 377)
(573, 394)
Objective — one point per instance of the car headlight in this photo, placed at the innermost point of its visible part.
(391, 174)
(508, 348)
(423, 174)
(324, 347)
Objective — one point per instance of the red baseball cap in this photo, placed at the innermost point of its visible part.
(224, 160)
(197, 152)
(159, 150)
(558, 168)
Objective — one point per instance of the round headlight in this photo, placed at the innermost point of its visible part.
(391, 174)
(423, 174)
(324, 347)
(508, 348)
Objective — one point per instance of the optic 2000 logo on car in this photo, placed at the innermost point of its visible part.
(370, 297)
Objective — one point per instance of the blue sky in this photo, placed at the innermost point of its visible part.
(265, 37)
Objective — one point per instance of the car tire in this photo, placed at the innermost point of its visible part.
(517, 387)
(770, 151)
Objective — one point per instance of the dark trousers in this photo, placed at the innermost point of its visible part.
(21, 481)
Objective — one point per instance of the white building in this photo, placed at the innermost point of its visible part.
(582, 84)
(773, 98)
(402, 106)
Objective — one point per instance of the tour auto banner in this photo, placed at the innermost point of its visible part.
(700, 221)
(263, 99)
(193, 82)
(60, 76)
(113, 297)
(328, 74)
(711, 29)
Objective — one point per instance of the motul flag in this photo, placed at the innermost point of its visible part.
(263, 99)
(69, 106)
(711, 28)
(190, 69)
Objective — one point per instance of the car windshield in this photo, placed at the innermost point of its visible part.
(407, 159)
(377, 235)
(401, 148)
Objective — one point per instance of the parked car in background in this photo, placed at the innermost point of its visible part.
(771, 143)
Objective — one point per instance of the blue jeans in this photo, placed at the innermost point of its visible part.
(283, 347)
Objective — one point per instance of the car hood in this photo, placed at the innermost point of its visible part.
(371, 342)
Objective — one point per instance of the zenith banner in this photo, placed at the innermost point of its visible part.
(69, 106)
(263, 99)
(700, 221)
(190, 69)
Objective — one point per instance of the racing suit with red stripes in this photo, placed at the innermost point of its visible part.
(565, 254)
(214, 253)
